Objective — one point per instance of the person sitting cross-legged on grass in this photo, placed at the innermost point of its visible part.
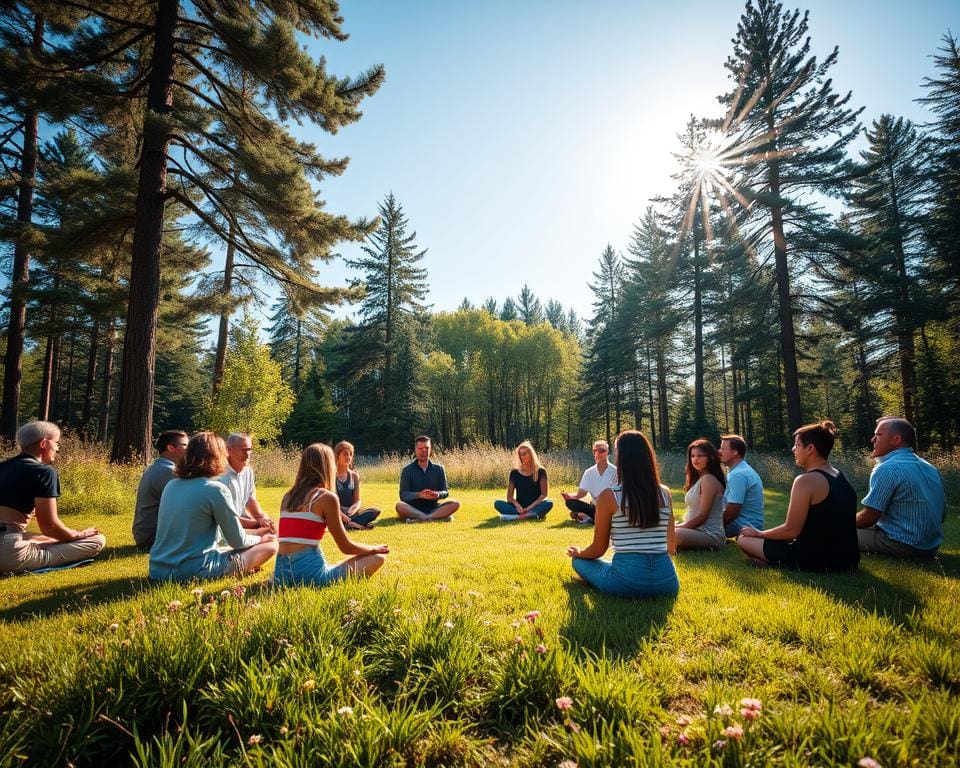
(307, 511)
(527, 488)
(636, 517)
(424, 496)
(348, 490)
(820, 532)
(192, 507)
(30, 485)
(594, 481)
(702, 527)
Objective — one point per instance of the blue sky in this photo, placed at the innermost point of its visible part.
(521, 137)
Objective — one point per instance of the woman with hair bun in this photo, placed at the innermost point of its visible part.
(307, 511)
(820, 532)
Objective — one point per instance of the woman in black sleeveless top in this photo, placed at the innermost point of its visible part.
(820, 532)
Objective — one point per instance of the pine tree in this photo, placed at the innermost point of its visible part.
(528, 307)
(381, 351)
(790, 133)
(509, 310)
(217, 80)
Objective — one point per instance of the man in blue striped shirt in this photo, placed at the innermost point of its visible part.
(904, 509)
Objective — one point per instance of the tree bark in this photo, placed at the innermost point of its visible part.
(16, 327)
(134, 416)
(220, 358)
(85, 428)
(699, 406)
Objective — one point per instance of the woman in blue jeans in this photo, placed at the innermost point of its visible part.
(636, 517)
(527, 488)
(307, 510)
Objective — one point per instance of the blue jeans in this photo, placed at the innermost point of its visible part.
(506, 509)
(307, 567)
(630, 574)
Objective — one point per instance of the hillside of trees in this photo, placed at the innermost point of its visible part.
(152, 188)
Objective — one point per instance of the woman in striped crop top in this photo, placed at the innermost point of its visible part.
(308, 509)
(636, 517)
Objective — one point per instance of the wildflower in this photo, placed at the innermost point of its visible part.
(664, 731)
(682, 738)
(356, 673)
(114, 627)
(239, 591)
(197, 593)
(225, 594)
(723, 710)
(683, 721)
(515, 623)
(567, 764)
(564, 703)
(345, 711)
(572, 726)
(868, 762)
(719, 744)
(734, 732)
(517, 640)
(749, 714)
(255, 739)
(284, 730)
(532, 616)
(541, 648)
(448, 624)
(308, 685)
(753, 704)
(174, 605)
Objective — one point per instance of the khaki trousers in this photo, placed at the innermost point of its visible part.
(20, 552)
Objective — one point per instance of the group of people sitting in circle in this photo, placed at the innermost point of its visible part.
(198, 516)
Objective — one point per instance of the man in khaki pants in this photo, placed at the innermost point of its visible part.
(28, 485)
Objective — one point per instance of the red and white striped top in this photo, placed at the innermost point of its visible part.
(301, 526)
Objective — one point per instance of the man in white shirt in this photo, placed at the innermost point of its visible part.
(595, 481)
(239, 480)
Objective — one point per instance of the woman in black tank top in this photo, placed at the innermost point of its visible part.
(820, 532)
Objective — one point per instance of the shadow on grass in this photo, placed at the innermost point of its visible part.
(616, 626)
(77, 597)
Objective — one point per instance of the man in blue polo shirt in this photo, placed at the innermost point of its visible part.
(423, 486)
(904, 509)
(743, 496)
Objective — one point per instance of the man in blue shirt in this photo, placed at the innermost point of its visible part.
(904, 509)
(743, 496)
(422, 486)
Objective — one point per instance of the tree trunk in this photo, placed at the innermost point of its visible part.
(699, 407)
(68, 397)
(664, 406)
(46, 382)
(86, 431)
(134, 415)
(219, 360)
(13, 359)
(653, 418)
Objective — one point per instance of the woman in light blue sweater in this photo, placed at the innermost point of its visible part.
(193, 505)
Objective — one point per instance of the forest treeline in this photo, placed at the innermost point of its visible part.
(807, 265)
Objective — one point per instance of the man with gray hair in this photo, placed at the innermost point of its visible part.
(595, 480)
(239, 480)
(30, 485)
(904, 509)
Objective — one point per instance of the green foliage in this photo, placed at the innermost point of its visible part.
(253, 396)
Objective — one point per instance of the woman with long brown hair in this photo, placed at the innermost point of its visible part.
(702, 527)
(307, 511)
(193, 505)
(636, 517)
(348, 490)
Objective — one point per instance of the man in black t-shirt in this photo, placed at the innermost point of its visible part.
(30, 485)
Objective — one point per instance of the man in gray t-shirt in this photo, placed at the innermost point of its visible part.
(171, 446)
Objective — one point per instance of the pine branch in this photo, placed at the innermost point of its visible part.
(94, 11)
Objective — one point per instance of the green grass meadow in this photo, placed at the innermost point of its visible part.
(438, 660)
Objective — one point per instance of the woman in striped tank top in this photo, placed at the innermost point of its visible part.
(636, 517)
(308, 509)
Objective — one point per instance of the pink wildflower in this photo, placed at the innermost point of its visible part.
(868, 762)
(682, 738)
(174, 605)
(541, 648)
(734, 732)
(723, 710)
(517, 640)
(749, 714)
(532, 616)
(564, 703)
(753, 704)
(255, 739)
(567, 764)
(719, 744)
(239, 591)
(448, 624)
